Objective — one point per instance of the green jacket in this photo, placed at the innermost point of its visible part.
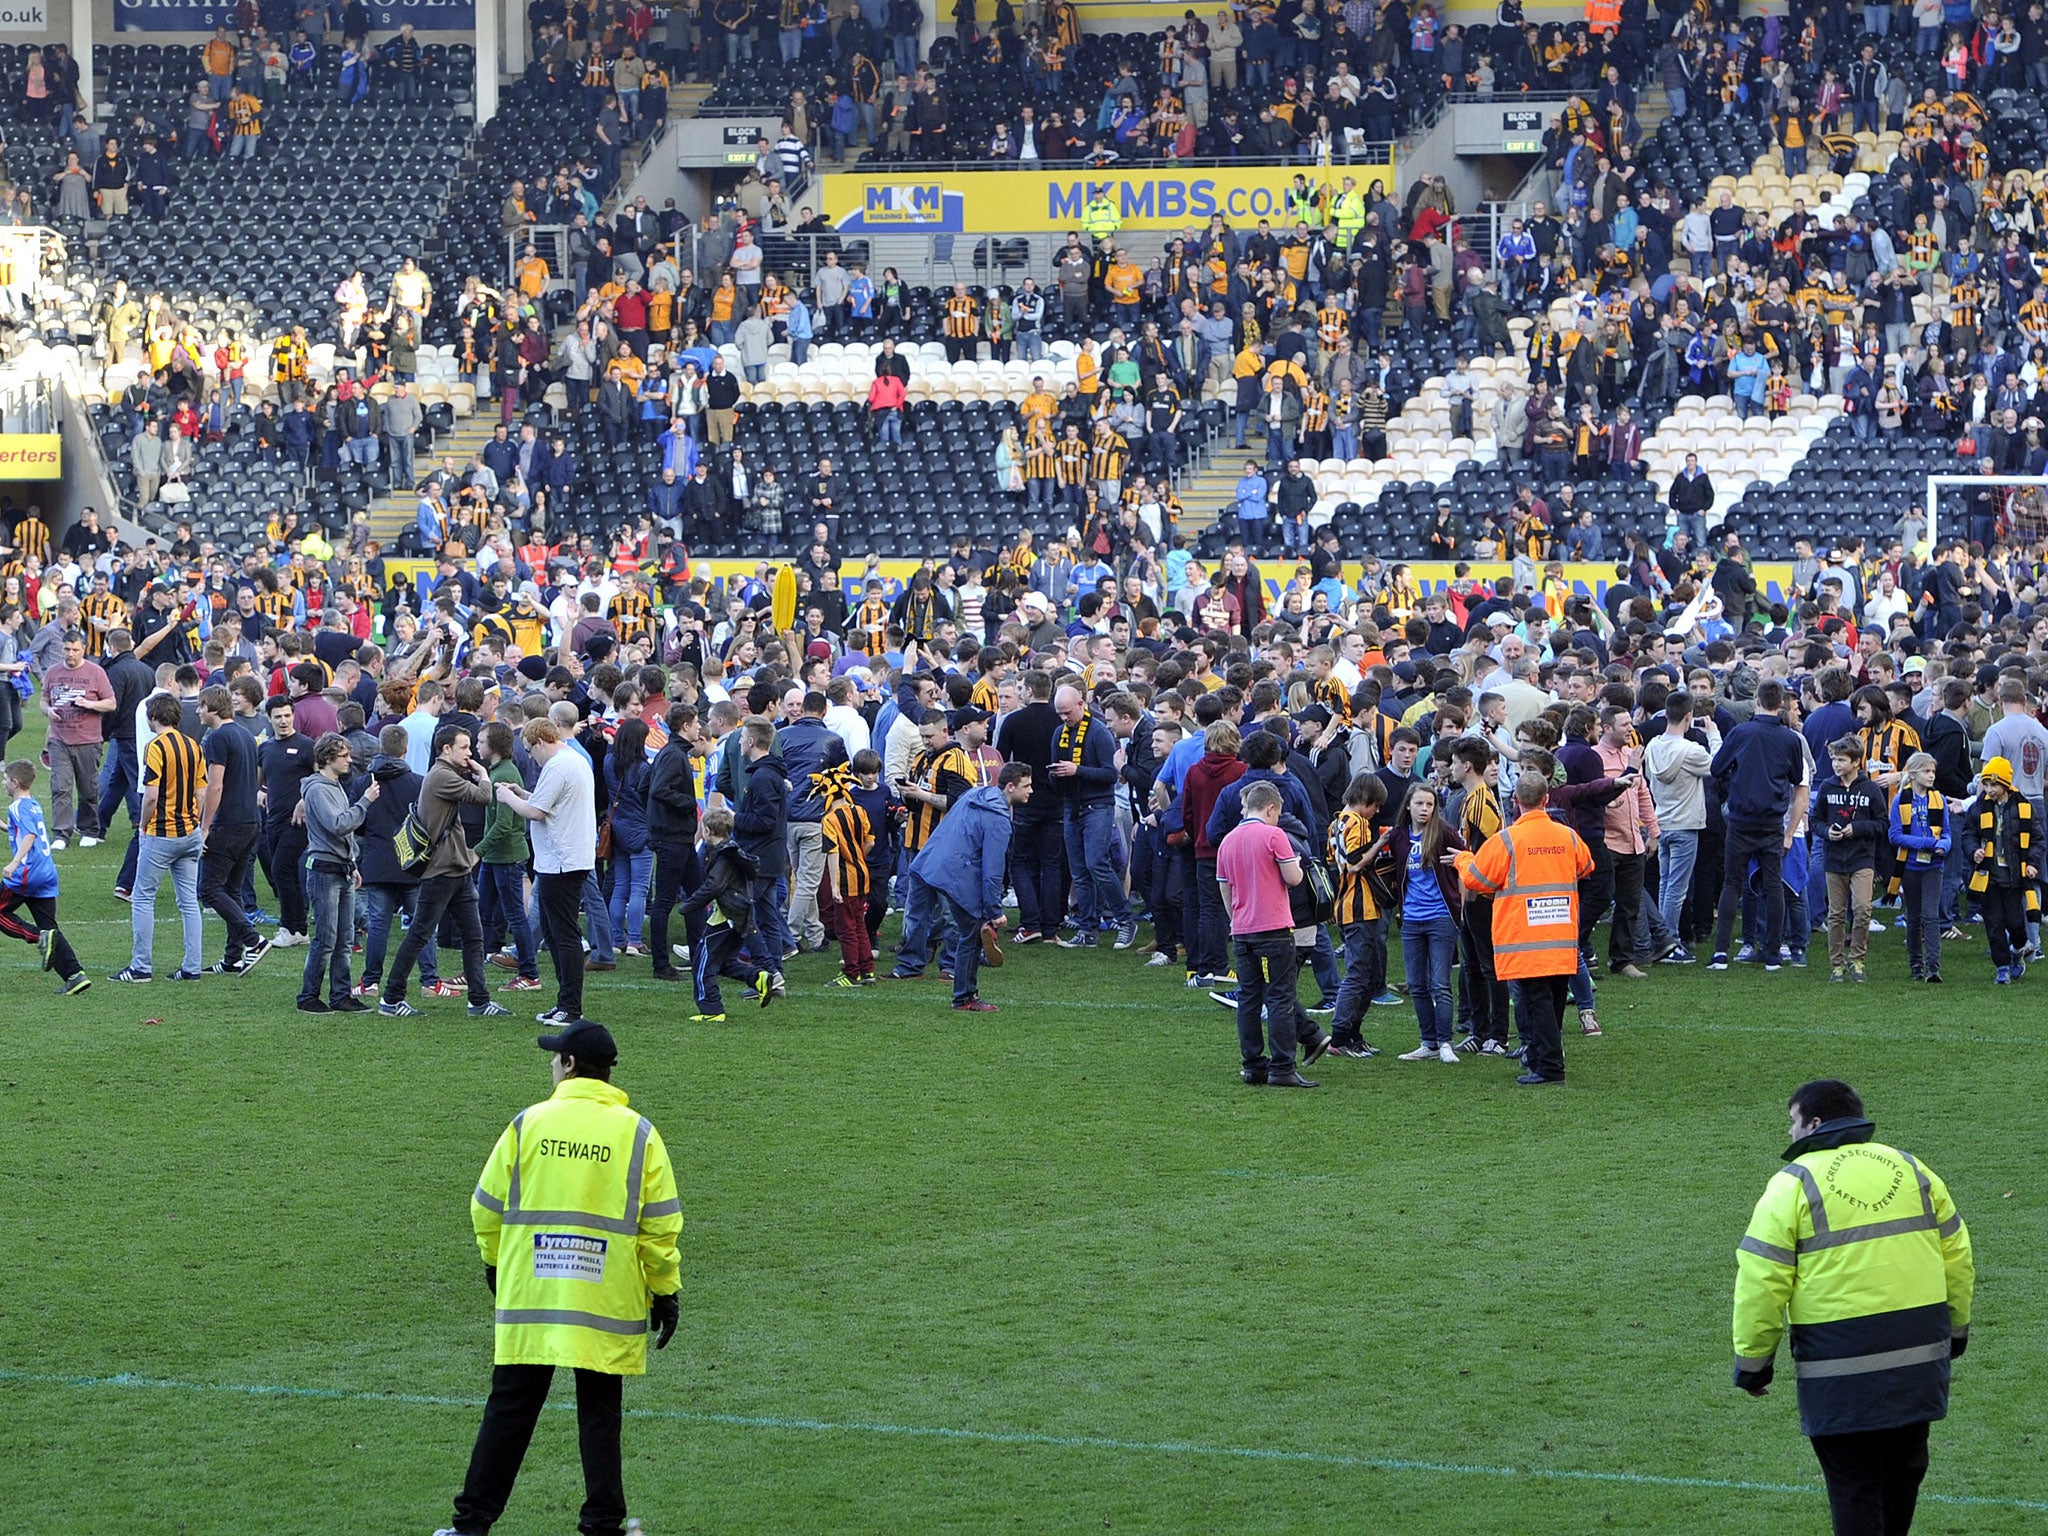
(504, 839)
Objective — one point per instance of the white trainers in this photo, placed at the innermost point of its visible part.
(90, 842)
(57, 845)
(286, 939)
(1447, 1055)
(1420, 1053)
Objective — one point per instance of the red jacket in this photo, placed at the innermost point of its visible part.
(1204, 785)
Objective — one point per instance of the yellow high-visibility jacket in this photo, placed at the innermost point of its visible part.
(1859, 1246)
(577, 1210)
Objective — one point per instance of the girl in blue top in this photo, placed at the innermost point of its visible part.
(30, 880)
(1424, 848)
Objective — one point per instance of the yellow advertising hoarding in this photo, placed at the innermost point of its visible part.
(1154, 196)
(31, 456)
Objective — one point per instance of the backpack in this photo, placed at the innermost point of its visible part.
(1314, 901)
(411, 844)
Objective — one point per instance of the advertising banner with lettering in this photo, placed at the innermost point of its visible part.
(31, 456)
(25, 16)
(205, 15)
(1155, 197)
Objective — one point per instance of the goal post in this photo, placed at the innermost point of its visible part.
(2027, 511)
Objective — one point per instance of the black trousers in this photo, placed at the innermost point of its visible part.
(561, 923)
(1596, 894)
(1038, 856)
(518, 1392)
(1740, 844)
(283, 851)
(44, 910)
(440, 896)
(1629, 869)
(1485, 995)
(2005, 920)
(1544, 1000)
(223, 871)
(677, 871)
(1873, 1478)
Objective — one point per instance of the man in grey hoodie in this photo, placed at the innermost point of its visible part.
(331, 824)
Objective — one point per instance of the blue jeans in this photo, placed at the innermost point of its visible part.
(1694, 526)
(929, 926)
(1365, 974)
(121, 784)
(1322, 964)
(630, 874)
(380, 904)
(179, 857)
(332, 901)
(1091, 859)
(1427, 949)
(1344, 443)
(501, 904)
(1677, 853)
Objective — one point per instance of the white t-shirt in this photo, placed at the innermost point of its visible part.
(565, 840)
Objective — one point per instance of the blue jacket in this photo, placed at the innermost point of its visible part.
(1756, 770)
(1229, 808)
(808, 746)
(628, 805)
(760, 824)
(968, 853)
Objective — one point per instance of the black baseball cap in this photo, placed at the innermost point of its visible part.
(966, 715)
(585, 1041)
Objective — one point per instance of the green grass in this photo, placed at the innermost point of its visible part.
(1146, 1298)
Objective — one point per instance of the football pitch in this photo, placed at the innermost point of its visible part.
(1051, 1269)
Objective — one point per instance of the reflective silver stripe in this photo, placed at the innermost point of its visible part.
(1751, 1362)
(513, 1316)
(488, 1201)
(1478, 876)
(1558, 943)
(1858, 1365)
(1541, 890)
(673, 1206)
(635, 1166)
(1926, 1188)
(1845, 1236)
(589, 1219)
(1816, 1207)
(1512, 852)
(512, 1194)
(1951, 1227)
(1771, 1251)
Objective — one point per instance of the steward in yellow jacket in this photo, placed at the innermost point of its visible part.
(576, 1215)
(1857, 1245)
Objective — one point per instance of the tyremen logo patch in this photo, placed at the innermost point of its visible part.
(1863, 1180)
(568, 1256)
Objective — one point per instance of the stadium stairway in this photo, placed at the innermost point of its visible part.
(396, 510)
(1207, 494)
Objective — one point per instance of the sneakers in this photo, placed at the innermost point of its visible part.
(1223, 999)
(71, 986)
(129, 973)
(507, 962)
(1390, 999)
(1588, 1025)
(974, 1005)
(1420, 1053)
(90, 842)
(2003, 978)
(1027, 936)
(1360, 1051)
(844, 981)
(764, 988)
(1677, 955)
(1837, 973)
(777, 987)
(488, 1011)
(1718, 963)
(1468, 1045)
(58, 845)
(1159, 957)
(1857, 972)
(1077, 941)
(1492, 1048)
(348, 1005)
(681, 952)
(638, 950)
(1951, 933)
(398, 1010)
(554, 1018)
(1745, 954)
(1447, 1055)
(121, 893)
(446, 988)
(286, 939)
(1213, 979)
(521, 984)
(313, 1005)
(368, 988)
(1126, 933)
(1934, 978)
(251, 956)
(707, 1018)
(1631, 972)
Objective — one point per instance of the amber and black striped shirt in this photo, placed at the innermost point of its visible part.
(846, 833)
(175, 765)
(1350, 835)
(1112, 453)
(949, 772)
(629, 611)
(100, 605)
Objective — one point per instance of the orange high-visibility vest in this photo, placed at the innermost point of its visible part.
(1532, 871)
(1603, 15)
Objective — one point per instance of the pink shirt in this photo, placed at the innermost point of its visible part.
(1248, 862)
